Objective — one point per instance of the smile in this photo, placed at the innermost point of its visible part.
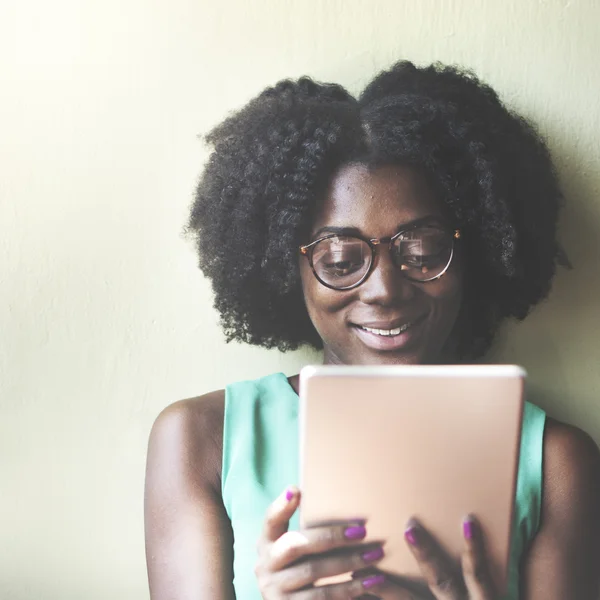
(387, 332)
(390, 338)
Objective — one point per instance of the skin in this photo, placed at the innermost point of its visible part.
(378, 203)
(188, 534)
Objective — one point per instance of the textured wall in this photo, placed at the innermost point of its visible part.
(103, 317)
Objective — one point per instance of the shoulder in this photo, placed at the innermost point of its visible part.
(193, 415)
(562, 561)
(189, 434)
(570, 455)
(571, 474)
(189, 540)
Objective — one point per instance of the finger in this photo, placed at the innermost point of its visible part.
(443, 578)
(295, 545)
(395, 588)
(279, 513)
(356, 588)
(307, 572)
(391, 591)
(474, 564)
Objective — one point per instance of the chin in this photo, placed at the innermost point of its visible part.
(392, 358)
(371, 358)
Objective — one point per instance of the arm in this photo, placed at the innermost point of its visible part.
(189, 543)
(564, 558)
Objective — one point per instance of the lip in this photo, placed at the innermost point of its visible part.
(389, 324)
(389, 343)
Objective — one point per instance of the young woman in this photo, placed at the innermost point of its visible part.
(399, 228)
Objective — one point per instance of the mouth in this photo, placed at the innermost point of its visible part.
(391, 336)
(387, 332)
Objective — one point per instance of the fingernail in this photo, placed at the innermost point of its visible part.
(289, 494)
(373, 555)
(411, 533)
(468, 528)
(355, 533)
(370, 582)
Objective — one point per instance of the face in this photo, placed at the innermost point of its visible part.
(378, 203)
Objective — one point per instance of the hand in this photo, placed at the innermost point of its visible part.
(290, 562)
(444, 579)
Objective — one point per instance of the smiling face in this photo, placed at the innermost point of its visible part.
(355, 324)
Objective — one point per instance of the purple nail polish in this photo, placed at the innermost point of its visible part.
(289, 495)
(468, 529)
(373, 555)
(355, 533)
(370, 582)
(411, 536)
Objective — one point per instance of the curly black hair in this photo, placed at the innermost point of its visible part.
(273, 159)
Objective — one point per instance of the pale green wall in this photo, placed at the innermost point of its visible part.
(103, 317)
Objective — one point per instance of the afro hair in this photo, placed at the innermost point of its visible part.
(272, 160)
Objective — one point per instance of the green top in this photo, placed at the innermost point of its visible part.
(260, 459)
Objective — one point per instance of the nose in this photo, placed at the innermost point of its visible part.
(386, 285)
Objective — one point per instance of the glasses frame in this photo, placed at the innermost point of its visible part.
(374, 244)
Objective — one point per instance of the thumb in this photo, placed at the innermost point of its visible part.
(279, 513)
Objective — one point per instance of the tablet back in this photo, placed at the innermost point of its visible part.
(432, 442)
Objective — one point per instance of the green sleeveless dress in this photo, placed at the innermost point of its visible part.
(260, 459)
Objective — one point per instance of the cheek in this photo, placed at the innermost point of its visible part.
(447, 293)
(448, 287)
(320, 301)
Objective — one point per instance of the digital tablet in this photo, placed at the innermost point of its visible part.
(386, 443)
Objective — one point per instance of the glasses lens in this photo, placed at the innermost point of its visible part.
(424, 253)
(341, 261)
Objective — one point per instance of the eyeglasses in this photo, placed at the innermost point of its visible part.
(343, 262)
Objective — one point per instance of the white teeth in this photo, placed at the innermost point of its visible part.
(388, 332)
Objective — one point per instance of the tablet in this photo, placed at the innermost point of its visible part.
(386, 443)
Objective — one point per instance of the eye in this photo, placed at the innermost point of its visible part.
(341, 257)
(423, 250)
(342, 267)
(422, 254)
(423, 262)
(343, 261)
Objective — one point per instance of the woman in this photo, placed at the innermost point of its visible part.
(399, 228)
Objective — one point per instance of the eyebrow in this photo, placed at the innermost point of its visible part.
(355, 231)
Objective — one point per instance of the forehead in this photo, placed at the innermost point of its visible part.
(376, 200)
